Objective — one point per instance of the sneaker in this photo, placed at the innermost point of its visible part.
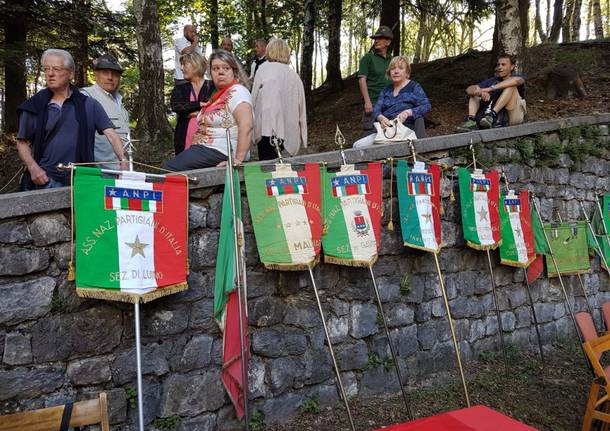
(489, 120)
(468, 125)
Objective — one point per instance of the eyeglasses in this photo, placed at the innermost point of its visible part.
(54, 69)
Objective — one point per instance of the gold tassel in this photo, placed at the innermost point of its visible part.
(451, 194)
(71, 271)
(391, 223)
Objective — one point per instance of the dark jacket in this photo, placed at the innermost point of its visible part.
(182, 106)
(38, 105)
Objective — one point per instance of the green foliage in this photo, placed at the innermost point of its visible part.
(169, 423)
(375, 361)
(571, 135)
(547, 153)
(310, 405)
(257, 420)
(58, 302)
(525, 147)
(132, 397)
(405, 285)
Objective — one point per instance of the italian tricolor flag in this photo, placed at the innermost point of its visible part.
(131, 234)
(479, 196)
(517, 248)
(288, 226)
(352, 214)
(419, 203)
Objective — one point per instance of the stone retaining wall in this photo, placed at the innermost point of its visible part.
(55, 346)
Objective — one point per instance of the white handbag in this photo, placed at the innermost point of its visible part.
(398, 132)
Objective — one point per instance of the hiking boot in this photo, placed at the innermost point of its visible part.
(489, 120)
(468, 125)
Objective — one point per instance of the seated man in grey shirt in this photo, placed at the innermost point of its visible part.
(106, 91)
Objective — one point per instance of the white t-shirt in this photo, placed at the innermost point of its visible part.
(215, 136)
(180, 44)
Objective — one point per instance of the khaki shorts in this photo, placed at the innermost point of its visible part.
(517, 115)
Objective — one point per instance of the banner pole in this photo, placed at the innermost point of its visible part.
(332, 353)
(495, 296)
(241, 300)
(563, 288)
(455, 343)
(392, 350)
(136, 322)
(601, 215)
(529, 294)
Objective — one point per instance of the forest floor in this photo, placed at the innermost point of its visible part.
(549, 399)
(444, 81)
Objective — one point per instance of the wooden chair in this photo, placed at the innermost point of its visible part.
(90, 412)
(596, 408)
(586, 326)
(606, 315)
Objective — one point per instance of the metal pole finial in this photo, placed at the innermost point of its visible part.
(412, 147)
(474, 156)
(340, 141)
(277, 144)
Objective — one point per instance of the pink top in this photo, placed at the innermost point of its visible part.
(192, 127)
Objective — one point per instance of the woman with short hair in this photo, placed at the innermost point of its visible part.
(404, 100)
(230, 105)
(279, 104)
(187, 98)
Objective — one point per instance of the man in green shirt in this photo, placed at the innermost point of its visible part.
(372, 72)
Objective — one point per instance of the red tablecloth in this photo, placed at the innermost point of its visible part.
(477, 418)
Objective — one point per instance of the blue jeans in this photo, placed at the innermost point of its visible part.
(52, 184)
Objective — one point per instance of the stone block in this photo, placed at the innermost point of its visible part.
(202, 316)
(352, 356)
(199, 423)
(24, 383)
(261, 283)
(202, 249)
(295, 341)
(282, 373)
(417, 284)
(15, 232)
(389, 288)
(508, 321)
(50, 228)
(523, 316)
(256, 379)
(477, 330)
(196, 354)
(151, 399)
(226, 419)
(461, 307)
(166, 321)
(399, 315)
(303, 314)
(364, 320)
(318, 366)
(438, 307)
(268, 343)
(154, 361)
(92, 332)
(25, 301)
(281, 409)
(266, 311)
(377, 381)
(544, 312)
(192, 394)
(62, 255)
(89, 371)
(200, 285)
(423, 312)
(391, 242)
(198, 215)
(21, 261)
(214, 214)
(338, 328)
(326, 395)
(405, 341)
(17, 349)
(117, 405)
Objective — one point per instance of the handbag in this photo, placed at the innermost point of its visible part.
(398, 132)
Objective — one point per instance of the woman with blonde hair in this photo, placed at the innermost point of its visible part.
(231, 103)
(187, 98)
(279, 103)
(404, 100)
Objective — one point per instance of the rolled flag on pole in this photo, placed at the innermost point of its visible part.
(419, 202)
(479, 196)
(226, 304)
(517, 248)
(540, 246)
(127, 239)
(287, 224)
(352, 214)
(570, 247)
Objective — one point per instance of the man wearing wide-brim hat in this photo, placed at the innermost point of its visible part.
(108, 73)
(372, 73)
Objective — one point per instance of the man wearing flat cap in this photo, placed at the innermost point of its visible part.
(108, 73)
(372, 72)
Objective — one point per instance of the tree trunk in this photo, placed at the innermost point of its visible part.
(309, 19)
(597, 18)
(153, 128)
(524, 11)
(333, 59)
(566, 25)
(390, 13)
(82, 15)
(15, 26)
(589, 18)
(264, 25)
(509, 36)
(557, 19)
(420, 37)
(538, 23)
(214, 33)
(350, 35)
(576, 20)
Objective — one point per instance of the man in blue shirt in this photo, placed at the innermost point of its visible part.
(58, 125)
(495, 98)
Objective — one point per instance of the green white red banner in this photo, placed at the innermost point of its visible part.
(517, 248)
